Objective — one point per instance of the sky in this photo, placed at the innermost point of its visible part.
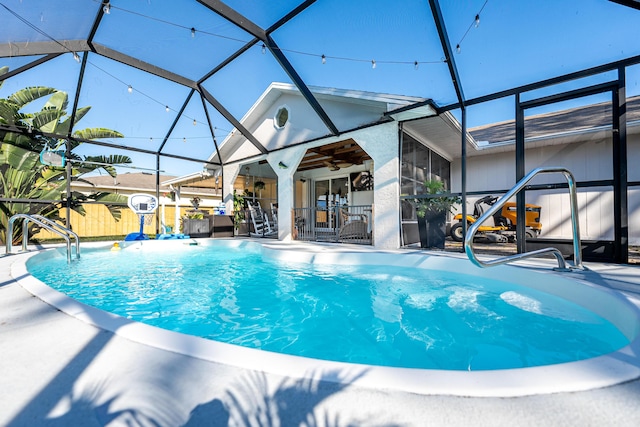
(515, 43)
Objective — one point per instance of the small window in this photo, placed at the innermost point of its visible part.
(281, 118)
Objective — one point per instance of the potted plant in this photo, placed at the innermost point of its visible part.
(258, 185)
(432, 215)
(238, 210)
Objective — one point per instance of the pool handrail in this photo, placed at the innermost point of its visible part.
(562, 266)
(45, 223)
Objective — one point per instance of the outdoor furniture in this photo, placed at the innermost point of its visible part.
(353, 227)
(260, 221)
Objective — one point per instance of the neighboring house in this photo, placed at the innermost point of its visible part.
(124, 183)
(579, 139)
(144, 182)
(396, 148)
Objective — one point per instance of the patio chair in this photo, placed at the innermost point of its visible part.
(354, 228)
(260, 221)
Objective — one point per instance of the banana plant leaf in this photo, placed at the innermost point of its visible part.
(29, 94)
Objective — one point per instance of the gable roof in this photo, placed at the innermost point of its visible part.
(356, 99)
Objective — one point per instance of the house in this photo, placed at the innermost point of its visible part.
(397, 142)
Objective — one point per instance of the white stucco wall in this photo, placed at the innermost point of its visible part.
(304, 124)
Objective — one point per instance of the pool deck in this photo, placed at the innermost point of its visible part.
(57, 370)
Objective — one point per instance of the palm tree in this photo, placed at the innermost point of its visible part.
(23, 177)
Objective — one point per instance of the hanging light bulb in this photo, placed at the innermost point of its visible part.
(477, 23)
(324, 59)
(458, 49)
(264, 49)
(76, 57)
(166, 108)
(194, 122)
(130, 89)
(416, 65)
(373, 63)
(193, 32)
(184, 140)
(106, 8)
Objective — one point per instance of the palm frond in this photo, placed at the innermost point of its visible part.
(18, 157)
(58, 101)
(47, 120)
(8, 112)
(96, 133)
(29, 94)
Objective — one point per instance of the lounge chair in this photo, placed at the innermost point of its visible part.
(260, 221)
(354, 228)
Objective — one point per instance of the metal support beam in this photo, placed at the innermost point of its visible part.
(231, 15)
(211, 129)
(620, 177)
(13, 49)
(446, 47)
(175, 121)
(455, 80)
(28, 66)
(227, 115)
(300, 84)
(141, 65)
(520, 197)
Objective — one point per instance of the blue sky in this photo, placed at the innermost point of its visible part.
(517, 42)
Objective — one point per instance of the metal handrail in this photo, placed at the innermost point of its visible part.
(577, 256)
(45, 223)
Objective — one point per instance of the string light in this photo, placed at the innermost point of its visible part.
(373, 63)
(322, 57)
(193, 32)
(184, 140)
(130, 89)
(76, 57)
(416, 65)
(107, 8)
(166, 108)
(194, 122)
(475, 23)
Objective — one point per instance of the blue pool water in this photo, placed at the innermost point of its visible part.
(371, 314)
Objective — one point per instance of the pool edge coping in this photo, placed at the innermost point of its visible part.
(602, 371)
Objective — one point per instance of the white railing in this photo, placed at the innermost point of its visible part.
(43, 222)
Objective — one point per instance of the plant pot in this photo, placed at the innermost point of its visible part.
(433, 229)
(197, 227)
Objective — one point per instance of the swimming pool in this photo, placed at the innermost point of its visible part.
(531, 294)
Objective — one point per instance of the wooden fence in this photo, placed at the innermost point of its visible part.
(98, 222)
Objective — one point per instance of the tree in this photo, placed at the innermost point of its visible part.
(24, 136)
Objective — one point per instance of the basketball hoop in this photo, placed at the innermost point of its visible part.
(146, 219)
(144, 205)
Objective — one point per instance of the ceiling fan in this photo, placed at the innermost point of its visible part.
(335, 165)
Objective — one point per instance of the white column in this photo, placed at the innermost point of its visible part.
(284, 163)
(382, 144)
